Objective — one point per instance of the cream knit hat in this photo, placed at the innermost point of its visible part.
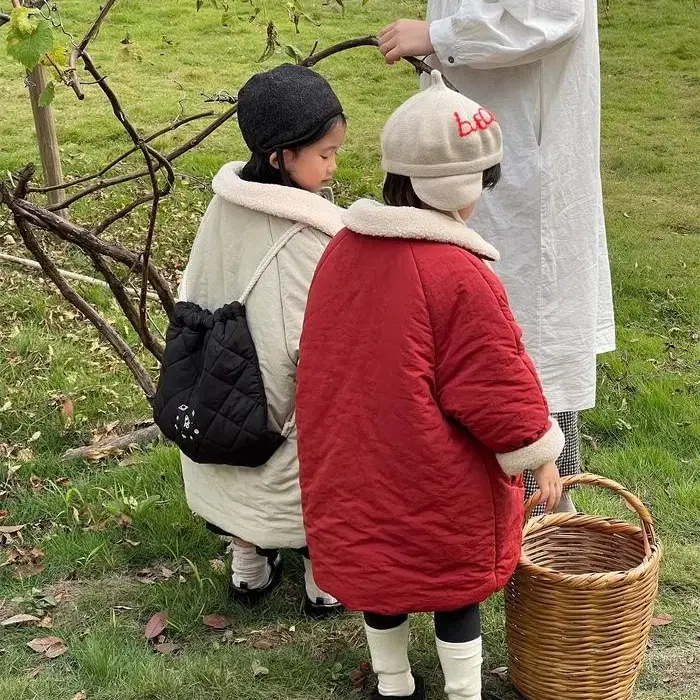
(443, 141)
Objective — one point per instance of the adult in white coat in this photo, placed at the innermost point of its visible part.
(535, 64)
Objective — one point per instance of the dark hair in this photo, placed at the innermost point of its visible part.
(259, 169)
(399, 192)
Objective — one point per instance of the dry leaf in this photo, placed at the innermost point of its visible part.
(11, 529)
(501, 673)
(156, 625)
(37, 483)
(359, 675)
(217, 622)
(46, 622)
(18, 620)
(35, 437)
(258, 669)
(82, 695)
(63, 482)
(167, 648)
(217, 565)
(6, 406)
(34, 672)
(661, 620)
(26, 455)
(67, 411)
(29, 570)
(50, 647)
(53, 652)
(3, 514)
(166, 573)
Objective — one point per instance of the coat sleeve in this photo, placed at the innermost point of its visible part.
(297, 263)
(484, 379)
(505, 33)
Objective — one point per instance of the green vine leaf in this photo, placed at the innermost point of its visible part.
(47, 95)
(23, 19)
(28, 49)
(294, 53)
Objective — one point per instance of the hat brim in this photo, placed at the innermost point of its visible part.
(449, 193)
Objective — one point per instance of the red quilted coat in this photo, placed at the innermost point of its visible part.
(417, 410)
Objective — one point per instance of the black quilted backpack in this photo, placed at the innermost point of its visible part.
(211, 400)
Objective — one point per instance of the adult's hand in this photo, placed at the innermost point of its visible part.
(407, 37)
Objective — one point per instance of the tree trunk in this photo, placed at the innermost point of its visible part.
(46, 135)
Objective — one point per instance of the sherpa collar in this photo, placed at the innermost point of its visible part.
(373, 219)
(277, 200)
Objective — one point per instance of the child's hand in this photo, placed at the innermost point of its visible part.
(549, 482)
(407, 37)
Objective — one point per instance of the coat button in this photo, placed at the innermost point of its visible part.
(450, 59)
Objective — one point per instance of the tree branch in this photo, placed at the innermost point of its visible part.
(123, 156)
(95, 27)
(106, 330)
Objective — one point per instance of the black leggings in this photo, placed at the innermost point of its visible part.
(455, 626)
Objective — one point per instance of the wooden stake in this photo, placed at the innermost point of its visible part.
(46, 136)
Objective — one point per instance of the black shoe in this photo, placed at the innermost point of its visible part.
(320, 610)
(418, 694)
(252, 596)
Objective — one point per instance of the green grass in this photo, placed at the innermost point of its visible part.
(644, 433)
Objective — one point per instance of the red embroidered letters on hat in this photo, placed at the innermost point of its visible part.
(481, 120)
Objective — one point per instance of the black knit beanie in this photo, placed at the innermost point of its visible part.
(284, 107)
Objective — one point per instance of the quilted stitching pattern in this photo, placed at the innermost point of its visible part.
(211, 400)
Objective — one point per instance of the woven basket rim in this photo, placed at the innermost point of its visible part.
(596, 580)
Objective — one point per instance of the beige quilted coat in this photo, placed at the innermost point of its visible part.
(242, 222)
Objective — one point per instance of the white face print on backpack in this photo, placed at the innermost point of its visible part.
(184, 422)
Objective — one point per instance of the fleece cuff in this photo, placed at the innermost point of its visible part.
(546, 449)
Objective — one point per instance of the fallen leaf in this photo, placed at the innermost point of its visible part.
(156, 625)
(34, 672)
(132, 543)
(46, 622)
(63, 481)
(6, 406)
(125, 521)
(35, 437)
(18, 620)
(53, 652)
(217, 622)
(166, 573)
(3, 514)
(26, 455)
(258, 669)
(501, 673)
(37, 483)
(50, 647)
(29, 570)
(661, 620)
(359, 675)
(11, 529)
(67, 411)
(167, 648)
(82, 695)
(217, 565)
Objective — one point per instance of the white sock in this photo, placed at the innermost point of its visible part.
(312, 590)
(249, 567)
(461, 664)
(389, 652)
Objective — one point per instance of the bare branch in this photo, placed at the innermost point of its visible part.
(95, 28)
(105, 329)
(87, 240)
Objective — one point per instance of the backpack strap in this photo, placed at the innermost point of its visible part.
(269, 257)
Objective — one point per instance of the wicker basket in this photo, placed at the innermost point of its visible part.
(580, 604)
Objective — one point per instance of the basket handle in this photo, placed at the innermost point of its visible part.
(594, 480)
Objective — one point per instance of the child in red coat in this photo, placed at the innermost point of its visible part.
(417, 406)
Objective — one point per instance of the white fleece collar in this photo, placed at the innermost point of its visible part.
(373, 219)
(277, 200)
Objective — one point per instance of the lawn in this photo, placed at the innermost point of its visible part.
(106, 545)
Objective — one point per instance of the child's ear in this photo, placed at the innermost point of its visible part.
(274, 161)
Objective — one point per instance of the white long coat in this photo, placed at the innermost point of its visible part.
(244, 219)
(535, 64)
